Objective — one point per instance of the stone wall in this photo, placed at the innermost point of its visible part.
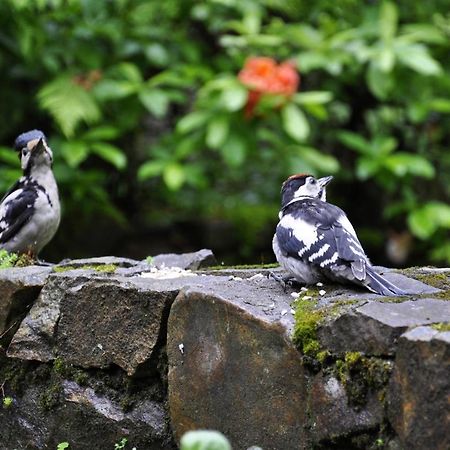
(93, 351)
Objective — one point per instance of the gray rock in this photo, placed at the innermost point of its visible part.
(192, 261)
(408, 284)
(99, 261)
(147, 413)
(36, 337)
(232, 367)
(231, 362)
(83, 418)
(91, 321)
(375, 327)
(419, 389)
(331, 414)
(19, 288)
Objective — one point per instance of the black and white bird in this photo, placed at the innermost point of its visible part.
(30, 211)
(315, 241)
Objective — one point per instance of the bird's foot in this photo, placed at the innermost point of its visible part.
(285, 280)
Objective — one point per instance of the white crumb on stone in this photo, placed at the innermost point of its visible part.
(233, 278)
(284, 312)
(181, 348)
(306, 297)
(319, 284)
(167, 273)
(322, 292)
(292, 311)
(258, 276)
(294, 294)
(304, 289)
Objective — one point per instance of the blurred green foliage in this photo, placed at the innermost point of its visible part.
(145, 112)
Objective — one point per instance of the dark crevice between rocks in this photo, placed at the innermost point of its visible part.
(378, 438)
(22, 301)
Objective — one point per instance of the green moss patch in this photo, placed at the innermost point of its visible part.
(440, 280)
(8, 260)
(360, 374)
(103, 268)
(442, 326)
(308, 318)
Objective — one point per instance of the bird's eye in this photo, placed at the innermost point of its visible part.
(25, 151)
(312, 180)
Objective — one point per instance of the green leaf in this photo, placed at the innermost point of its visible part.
(114, 89)
(157, 54)
(423, 32)
(354, 141)
(234, 98)
(217, 131)
(423, 222)
(150, 169)
(388, 20)
(110, 153)
(252, 22)
(62, 446)
(383, 145)
(441, 105)
(68, 103)
(102, 133)
(366, 167)
(318, 160)
(174, 176)
(204, 440)
(294, 122)
(380, 83)
(234, 151)
(155, 101)
(74, 152)
(386, 58)
(129, 71)
(191, 122)
(404, 163)
(313, 97)
(418, 58)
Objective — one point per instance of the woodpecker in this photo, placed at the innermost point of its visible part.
(315, 241)
(30, 211)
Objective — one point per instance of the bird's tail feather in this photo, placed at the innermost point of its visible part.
(380, 285)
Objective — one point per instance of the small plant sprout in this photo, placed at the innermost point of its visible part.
(63, 445)
(121, 444)
(204, 440)
(7, 402)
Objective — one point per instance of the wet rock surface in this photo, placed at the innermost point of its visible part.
(230, 364)
(419, 402)
(191, 261)
(18, 290)
(332, 415)
(375, 327)
(114, 348)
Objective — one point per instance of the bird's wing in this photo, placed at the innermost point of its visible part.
(321, 234)
(15, 211)
(18, 184)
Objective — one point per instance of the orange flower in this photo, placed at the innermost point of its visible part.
(263, 75)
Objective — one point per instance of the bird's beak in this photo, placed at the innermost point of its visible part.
(39, 147)
(324, 181)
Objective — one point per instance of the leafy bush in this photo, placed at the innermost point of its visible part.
(154, 119)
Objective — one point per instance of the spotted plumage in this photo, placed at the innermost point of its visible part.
(30, 210)
(314, 240)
